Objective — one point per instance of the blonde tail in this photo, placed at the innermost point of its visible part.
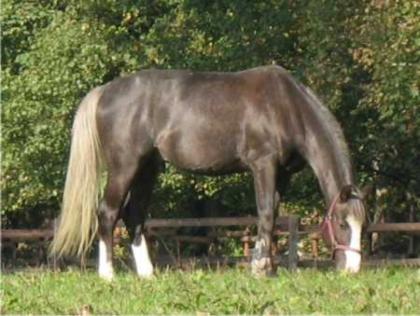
(78, 221)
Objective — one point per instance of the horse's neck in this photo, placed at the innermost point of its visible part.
(325, 149)
(331, 175)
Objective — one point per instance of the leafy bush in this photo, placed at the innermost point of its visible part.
(359, 56)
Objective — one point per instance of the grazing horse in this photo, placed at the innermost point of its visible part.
(259, 120)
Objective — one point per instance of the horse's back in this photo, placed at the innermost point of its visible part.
(198, 120)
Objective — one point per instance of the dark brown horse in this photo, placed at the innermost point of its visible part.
(259, 120)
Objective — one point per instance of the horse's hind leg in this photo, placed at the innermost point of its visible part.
(134, 216)
(121, 172)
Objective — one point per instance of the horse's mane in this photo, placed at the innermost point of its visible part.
(333, 128)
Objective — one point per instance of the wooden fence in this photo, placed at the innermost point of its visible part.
(160, 228)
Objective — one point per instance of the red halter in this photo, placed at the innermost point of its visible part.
(327, 226)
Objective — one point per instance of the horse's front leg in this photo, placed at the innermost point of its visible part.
(264, 172)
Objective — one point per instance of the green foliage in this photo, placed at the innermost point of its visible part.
(361, 57)
(386, 291)
(64, 61)
(389, 107)
(20, 24)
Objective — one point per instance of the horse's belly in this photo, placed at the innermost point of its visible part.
(200, 151)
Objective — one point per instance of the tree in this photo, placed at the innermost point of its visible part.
(359, 57)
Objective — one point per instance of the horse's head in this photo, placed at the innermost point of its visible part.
(342, 227)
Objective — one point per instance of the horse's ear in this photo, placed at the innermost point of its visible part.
(367, 190)
(346, 193)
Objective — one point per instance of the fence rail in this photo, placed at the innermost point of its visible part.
(394, 227)
(19, 235)
(285, 225)
(281, 222)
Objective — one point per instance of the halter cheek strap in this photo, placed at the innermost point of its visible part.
(327, 226)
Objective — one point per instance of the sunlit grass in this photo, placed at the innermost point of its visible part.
(228, 291)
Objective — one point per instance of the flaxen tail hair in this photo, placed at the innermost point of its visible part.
(78, 221)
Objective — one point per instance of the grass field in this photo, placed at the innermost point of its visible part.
(225, 291)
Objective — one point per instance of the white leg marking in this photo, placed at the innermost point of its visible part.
(105, 267)
(142, 259)
(260, 266)
(353, 259)
(260, 243)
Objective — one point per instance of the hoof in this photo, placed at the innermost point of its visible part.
(106, 273)
(107, 276)
(144, 266)
(145, 272)
(262, 267)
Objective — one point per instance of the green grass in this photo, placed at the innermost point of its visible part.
(229, 291)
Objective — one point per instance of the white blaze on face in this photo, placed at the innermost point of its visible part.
(105, 267)
(353, 259)
(142, 259)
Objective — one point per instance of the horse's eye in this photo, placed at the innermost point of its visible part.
(343, 225)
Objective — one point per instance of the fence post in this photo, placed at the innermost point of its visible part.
(411, 237)
(314, 245)
(293, 241)
(246, 242)
(178, 253)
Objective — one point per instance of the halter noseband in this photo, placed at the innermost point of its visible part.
(327, 226)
